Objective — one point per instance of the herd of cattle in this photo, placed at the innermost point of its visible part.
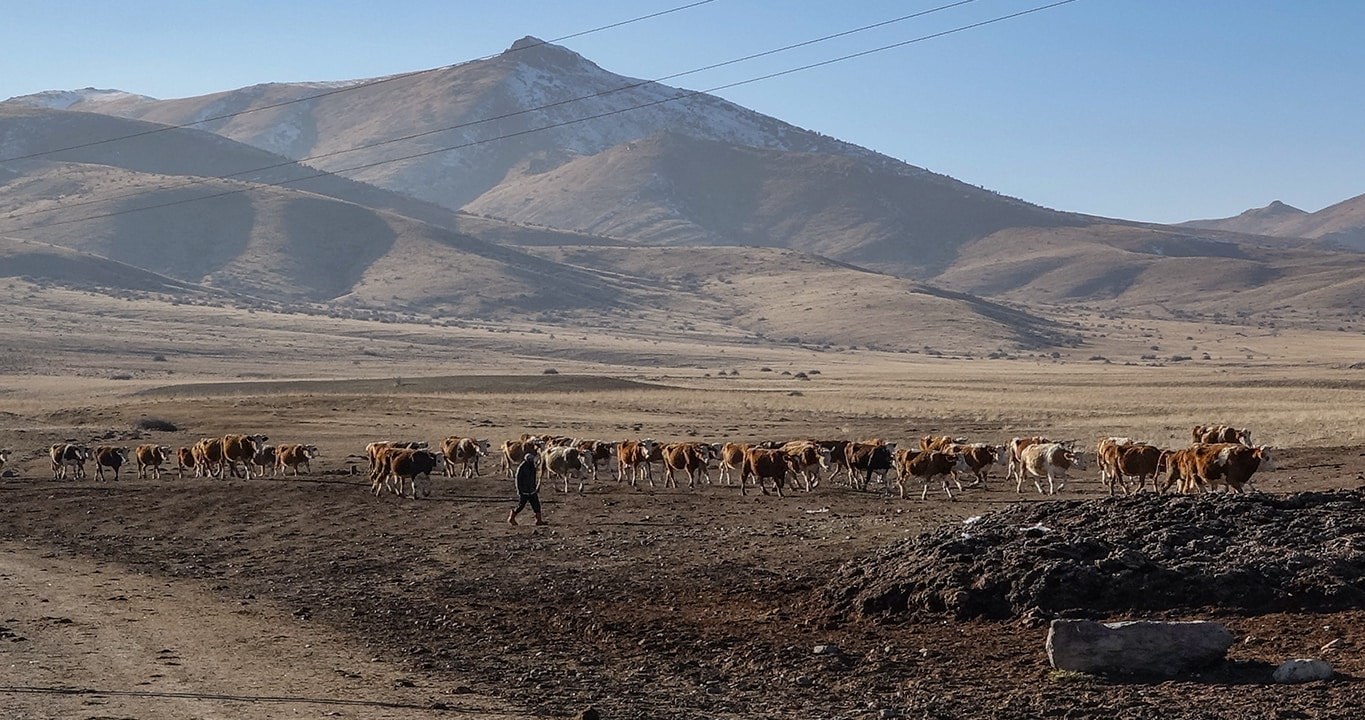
(1218, 456)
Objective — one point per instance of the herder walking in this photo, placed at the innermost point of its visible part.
(528, 488)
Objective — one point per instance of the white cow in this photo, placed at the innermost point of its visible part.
(1050, 460)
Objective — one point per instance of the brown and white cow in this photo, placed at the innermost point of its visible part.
(940, 443)
(1107, 452)
(151, 456)
(1212, 434)
(184, 460)
(809, 458)
(630, 455)
(1204, 465)
(208, 457)
(979, 458)
(68, 458)
(564, 461)
(292, 455)
(689, 457)
(1049, 460)
(927, 465)
(513, 451)
(375, 449)
(731, 460)
(108, 456)
(464, 452)
(1015, 469)
(241, 448)
(597, 454)
(764, 464)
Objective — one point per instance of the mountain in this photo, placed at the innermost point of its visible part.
(156, 214)
(536, 183)
(1342, 224)
(557, 118)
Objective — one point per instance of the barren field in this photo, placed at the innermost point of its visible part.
(308, 596)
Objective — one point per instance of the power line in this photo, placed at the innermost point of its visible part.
(683, 96)
(504, 116)
(357, 86)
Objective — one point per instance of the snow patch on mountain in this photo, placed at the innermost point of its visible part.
(592, 109)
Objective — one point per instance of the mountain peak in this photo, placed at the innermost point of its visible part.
(1274, 209)
(529, 41)
(532, 50)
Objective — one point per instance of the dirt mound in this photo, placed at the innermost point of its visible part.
(1077, 558)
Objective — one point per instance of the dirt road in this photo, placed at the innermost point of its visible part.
(82, 638)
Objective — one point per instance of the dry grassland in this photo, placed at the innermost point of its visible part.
(66, 351)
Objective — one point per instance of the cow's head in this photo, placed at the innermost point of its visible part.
(1266, 457)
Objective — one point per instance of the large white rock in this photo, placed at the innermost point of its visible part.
(1302, 670)
(1142, 647)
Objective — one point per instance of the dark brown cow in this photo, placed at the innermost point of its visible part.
(372, 450)
(765, 464)
(868, 458)
(208, 457)
(293, 455)
(401, 467)
(265, 458)
(464, 452)
(927, 465)
(689, 457)
(241, 448)
(630, 455)
(1138, 460)
(597, 453)
(151, 456)
(108, 456)
(838, 457)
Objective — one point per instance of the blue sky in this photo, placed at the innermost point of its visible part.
(1154, 110)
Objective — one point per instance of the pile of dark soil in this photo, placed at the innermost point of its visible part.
(1088, 558)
